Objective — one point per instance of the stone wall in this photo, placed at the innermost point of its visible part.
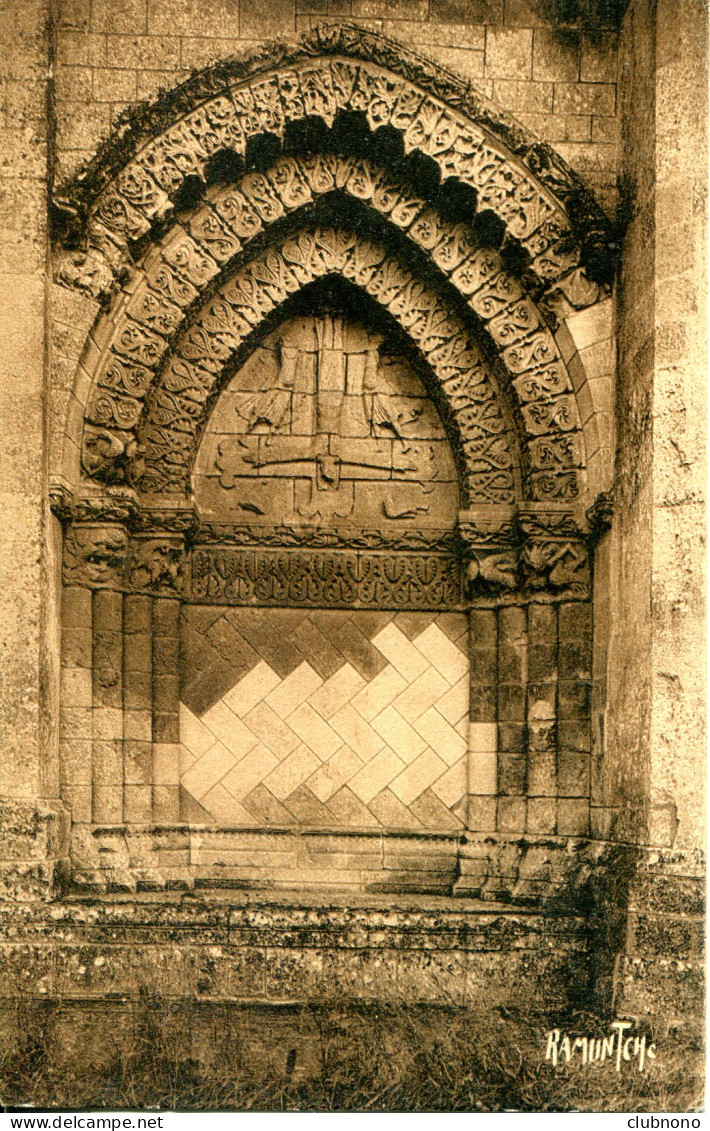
(631, 862)
(29, 610)
(649, 750)
(653, 749)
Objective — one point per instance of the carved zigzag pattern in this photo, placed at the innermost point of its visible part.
(341, 751)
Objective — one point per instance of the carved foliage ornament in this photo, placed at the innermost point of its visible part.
(164, 457)
(228, 575)
(319, 537)
(230, 113)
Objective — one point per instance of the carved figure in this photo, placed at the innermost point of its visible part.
(495, 571)
(157, 564)
(95, 556)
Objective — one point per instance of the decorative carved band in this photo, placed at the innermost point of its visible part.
(337, 67)
(324, 538)
(325, 579)
(495, 553)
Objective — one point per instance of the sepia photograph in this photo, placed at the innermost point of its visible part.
(353, 434)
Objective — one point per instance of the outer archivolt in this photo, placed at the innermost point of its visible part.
(321, 88)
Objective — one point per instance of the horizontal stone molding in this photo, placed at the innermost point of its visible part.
(327, 579)
(495, 552)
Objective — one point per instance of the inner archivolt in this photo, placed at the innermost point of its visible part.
(243, 224)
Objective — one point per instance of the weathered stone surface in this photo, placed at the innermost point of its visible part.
(362, 351)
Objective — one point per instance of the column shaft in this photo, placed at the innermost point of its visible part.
(482, 769)
(76, 715)
(137, 709)
(166, 709)
(107, 720)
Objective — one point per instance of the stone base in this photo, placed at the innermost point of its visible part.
(545, 871)
(34, 849)
(542, 870)
(284, 916)
(232, 947)
(661, 974)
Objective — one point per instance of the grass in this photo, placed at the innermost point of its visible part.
(187, 1057)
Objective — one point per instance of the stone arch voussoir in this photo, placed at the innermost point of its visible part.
(130, 183)
(190, 257)
(126, 197)
(175, 410)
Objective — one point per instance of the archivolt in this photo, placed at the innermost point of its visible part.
(186, 262)
(335, 70)
(194, 368)
(135, 194)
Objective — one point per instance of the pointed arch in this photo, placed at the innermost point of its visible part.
(201, 220)
(334, 69)
(511, 246)
(193, 374)
(218, 238)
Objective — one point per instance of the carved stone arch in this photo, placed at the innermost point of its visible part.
(125, 196)
(187, 383)
(481, 435)
(334, 69)
(217, 235)
(198, 236)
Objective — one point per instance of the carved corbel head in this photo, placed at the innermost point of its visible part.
(600, 515)
(61, 501)
(86, 271)
(95, 555)
(157, 564)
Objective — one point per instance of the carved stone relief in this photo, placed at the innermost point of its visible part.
(528, 551)
(491, 550)
(316, 427)
(460, 147)
(554, 555)
(192, 371)
(175, 272)
(340, 579)
(158, 565)
(335, 66)
(95, 556)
